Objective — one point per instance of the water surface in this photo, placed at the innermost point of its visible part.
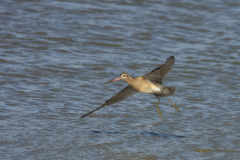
(56, 55)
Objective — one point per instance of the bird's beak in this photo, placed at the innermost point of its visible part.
(117, 79)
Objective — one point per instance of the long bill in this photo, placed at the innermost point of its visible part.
(117, 79)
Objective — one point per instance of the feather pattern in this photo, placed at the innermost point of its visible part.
(159, 73)
(120, 96)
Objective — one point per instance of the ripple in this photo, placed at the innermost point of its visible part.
(56, 56)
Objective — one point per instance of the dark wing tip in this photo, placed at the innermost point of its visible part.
(157, 74)
(120, 96)
(170, 58)
(170, 61)
(82, 117)
(85, 115)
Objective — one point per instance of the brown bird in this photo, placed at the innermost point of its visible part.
(151, 83)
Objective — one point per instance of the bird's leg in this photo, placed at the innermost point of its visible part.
(173, 105)
(158, 110)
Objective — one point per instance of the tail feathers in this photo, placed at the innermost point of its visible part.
(168, 90)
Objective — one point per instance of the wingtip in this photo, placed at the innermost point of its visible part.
(81, 117)
(85, 115)
(170, 58)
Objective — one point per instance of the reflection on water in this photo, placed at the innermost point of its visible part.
(141, 133)
(209, 150)
(56, 56)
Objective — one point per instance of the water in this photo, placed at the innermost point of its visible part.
(55, 57)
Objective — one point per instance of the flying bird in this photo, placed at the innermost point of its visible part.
(150, 83)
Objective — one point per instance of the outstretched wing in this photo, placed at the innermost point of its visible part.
(159, 73)
(120, 96)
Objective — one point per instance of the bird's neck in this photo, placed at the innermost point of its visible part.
(139, 83)
(134, 81)
(129, 80)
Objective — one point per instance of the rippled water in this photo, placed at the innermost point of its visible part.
(56, 55)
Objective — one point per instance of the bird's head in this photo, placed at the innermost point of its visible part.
(123, 76)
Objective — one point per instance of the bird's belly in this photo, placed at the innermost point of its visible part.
(150, 89)
(156, 89)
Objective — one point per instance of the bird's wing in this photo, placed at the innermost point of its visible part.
(159, 73)
(120, 96)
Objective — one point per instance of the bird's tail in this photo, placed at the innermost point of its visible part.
(168, 90)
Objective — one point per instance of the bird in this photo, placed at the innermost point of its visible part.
(151, 83)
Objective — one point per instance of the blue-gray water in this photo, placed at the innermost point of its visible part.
(55, 57)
